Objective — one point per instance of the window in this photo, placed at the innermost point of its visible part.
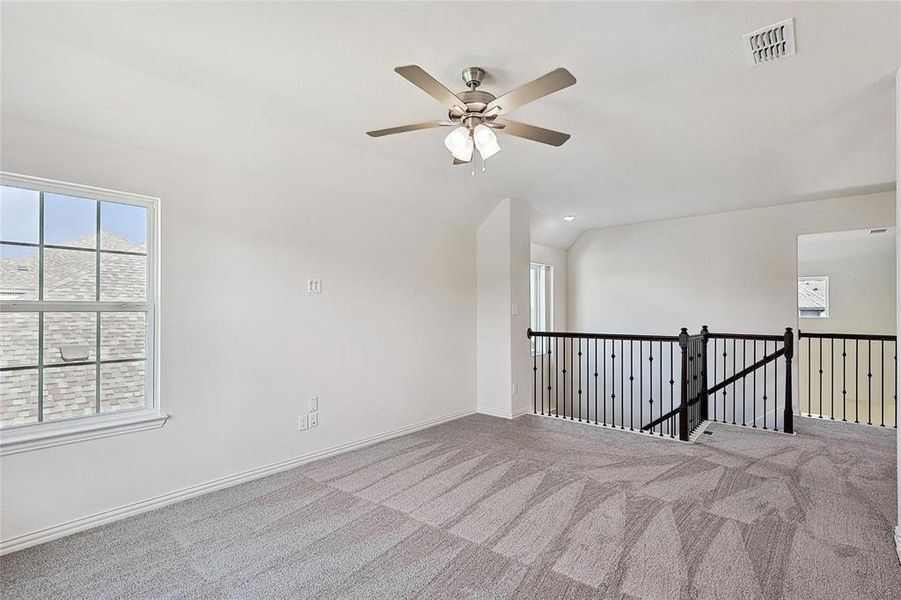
(541, 278)
(813, 297)
(77, 310)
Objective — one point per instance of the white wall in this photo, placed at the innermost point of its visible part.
(861, 271)
(503, 282)
(389, 343)
(556, 258)
(733, 271)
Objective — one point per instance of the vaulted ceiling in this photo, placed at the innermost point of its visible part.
(667, 117)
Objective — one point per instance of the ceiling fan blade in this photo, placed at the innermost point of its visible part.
(537, 134)
(545, 85)
(457, 161)
(404, 128)
(431, 86)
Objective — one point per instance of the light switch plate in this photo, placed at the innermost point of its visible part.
(314, 419)
(302, 423)
(514, 309)
(314, 286)
(314, 403)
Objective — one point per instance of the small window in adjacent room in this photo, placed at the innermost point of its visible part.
(78, 304)
(541, 286)
(813, 297)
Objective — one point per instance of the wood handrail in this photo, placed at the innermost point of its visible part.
(876, 337)
(604, 336)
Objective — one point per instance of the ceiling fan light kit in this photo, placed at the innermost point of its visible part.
(474, 113)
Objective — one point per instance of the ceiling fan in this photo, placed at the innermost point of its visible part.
(476, 114)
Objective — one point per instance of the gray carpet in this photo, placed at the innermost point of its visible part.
(535, 508)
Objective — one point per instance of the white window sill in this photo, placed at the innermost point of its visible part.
(28, 438)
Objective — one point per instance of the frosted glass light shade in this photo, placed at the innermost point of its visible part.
(460, 144)
(486, 141)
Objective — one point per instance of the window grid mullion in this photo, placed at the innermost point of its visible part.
(97, 325)
(41, 314)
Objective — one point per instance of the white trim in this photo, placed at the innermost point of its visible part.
(493, 413)
(47, 435)
(115, 514)
(65, 188)
(521, 412)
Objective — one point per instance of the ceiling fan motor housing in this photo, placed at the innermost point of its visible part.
(473, 76)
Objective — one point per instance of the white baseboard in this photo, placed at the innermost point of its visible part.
(108, 516)
(496, 413)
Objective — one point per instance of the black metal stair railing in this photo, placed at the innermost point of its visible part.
(617, 380)
(749, 378)
(849, 376)
(629, 381)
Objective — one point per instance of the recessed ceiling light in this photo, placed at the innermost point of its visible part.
(569, 218)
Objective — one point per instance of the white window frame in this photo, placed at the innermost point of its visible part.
(539, 345)
(65, 431)
(825, 279)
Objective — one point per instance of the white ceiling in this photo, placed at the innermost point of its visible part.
(667, 118)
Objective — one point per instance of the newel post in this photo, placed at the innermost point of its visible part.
(703, 407)
(683, 406)
(788, 418)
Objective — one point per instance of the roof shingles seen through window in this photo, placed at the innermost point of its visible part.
(71, 275)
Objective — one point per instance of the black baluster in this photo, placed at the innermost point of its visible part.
(595, 381)
(650, 384)
(733, 383)
(882, 380)
(754, 387)
(572, 387)
(809, 380)
(604, 370)
(844, 384)
(542, 379)
(744, 381)
(632, 383)
(856, 381)
(820, 344)
(613, 383)
(672, 390)
(869, 382)
(714, 380)
(556, 377)
(660, 383)
(764, 386)
(622, 384)
(775, 389)
(832, 379)
(725, 354)
(580, 379)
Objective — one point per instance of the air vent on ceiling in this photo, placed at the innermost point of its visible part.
(880, 230)
(770, 43)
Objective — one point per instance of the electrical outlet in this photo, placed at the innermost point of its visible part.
(515, 388)
(314, 286)
(302, 423)
(314, 419)
(314, 403)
